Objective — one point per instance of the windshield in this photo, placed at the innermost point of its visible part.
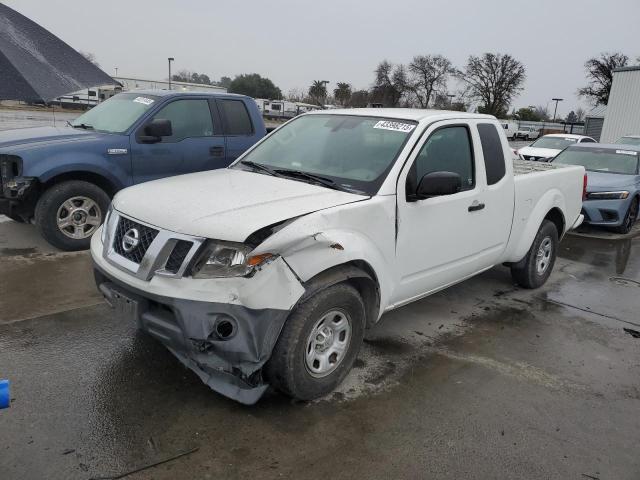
(353, 152)
(601, 160)
(629, 141)
(557, 143)
(117, 114)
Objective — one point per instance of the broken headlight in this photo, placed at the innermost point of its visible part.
(226, 259)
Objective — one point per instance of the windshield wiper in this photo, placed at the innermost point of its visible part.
(258, 166)
(324, 181)
(84, 126)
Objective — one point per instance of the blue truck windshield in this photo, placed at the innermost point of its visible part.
(117, 114)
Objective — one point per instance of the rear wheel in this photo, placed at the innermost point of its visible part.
(68, 213)
(629, 219)
(318, 344)
(534, 269)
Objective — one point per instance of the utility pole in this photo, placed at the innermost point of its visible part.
(556, 109)
(116, 68)
(171, 59)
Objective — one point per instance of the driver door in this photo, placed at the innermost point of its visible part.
(438, 237)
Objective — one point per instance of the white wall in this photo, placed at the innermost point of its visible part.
(623, 111)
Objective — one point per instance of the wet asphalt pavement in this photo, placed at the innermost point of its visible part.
(483, 380)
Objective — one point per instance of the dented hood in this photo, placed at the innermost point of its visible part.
(225, 204)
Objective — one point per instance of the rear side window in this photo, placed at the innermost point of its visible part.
(492, 152)
(236, 116)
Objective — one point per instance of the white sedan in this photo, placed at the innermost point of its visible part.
(551, 145)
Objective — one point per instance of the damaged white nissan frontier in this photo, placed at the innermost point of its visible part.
(268, 272)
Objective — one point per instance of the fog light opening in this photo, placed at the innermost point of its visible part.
(225, 329)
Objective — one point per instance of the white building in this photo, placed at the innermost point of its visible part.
(622, 116)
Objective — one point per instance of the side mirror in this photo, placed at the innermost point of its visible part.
(438, 183)
(156, 129)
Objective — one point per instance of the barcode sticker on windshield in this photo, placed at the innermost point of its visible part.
(626, 152)
(143, 100)
(395, 126)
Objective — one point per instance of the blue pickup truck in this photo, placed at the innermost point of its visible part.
(62, 178)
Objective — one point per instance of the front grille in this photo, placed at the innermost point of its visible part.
(145, 237)
(178, 254)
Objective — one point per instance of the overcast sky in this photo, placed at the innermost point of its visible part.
(294, 41)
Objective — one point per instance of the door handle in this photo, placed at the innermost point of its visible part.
(475, 206)
(216, 151)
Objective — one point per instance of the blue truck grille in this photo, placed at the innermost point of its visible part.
(145, 235)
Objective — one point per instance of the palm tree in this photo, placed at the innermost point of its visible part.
(318, 91)
(342, 93)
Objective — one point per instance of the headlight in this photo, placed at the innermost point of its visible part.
(607, 195)
(226, 259)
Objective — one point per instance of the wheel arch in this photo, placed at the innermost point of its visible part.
(358, 273)
(106, 184)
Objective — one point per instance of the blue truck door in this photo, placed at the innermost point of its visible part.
(192, 146)
(239, 130)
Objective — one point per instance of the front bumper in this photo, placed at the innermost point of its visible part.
(184, 314)
(607, 213)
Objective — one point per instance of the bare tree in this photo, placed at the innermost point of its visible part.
(295, 95)
(580, 114)
(390, 84)
(91, 57)
(494, 80)
(600, 76)
(542, 112)
(428, 75)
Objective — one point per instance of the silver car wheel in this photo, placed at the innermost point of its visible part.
(543, 257)
(328, 343)
(78, 217)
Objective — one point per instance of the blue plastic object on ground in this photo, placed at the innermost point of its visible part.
(5, 398)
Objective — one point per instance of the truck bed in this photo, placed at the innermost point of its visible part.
(523, 167)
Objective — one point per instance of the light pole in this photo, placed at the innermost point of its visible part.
(556, 109)
(171, 59)
(325, 83)
(116, 68)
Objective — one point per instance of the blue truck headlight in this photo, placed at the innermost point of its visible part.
(621, 195)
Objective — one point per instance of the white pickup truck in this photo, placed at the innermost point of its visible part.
(268, 272)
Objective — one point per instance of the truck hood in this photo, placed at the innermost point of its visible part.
(603, 181)
(539, 152)
(27, 137)
(225, 204)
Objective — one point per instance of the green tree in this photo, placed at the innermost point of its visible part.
(342, 93)
(571, 117)
(494, 80)
(528, 114)
(600, 76)
(318, 91)
(225, 82)
(359, 98)
(253, 85)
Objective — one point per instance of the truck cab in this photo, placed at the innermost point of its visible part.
(63, 178)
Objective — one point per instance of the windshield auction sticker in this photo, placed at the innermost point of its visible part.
(395, 126)
(143, 100)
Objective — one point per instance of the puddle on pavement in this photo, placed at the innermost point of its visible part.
(614, 257)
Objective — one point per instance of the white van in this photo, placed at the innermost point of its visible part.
(510, 129)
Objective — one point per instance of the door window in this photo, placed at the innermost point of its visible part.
(448, 149)
(189, 118)
(237, 117)
(492, 152)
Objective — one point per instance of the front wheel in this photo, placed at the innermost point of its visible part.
(68, 213)
(318, 344)
(534, 269)
(629, 219)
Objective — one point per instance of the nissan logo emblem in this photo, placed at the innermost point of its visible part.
(130, 240)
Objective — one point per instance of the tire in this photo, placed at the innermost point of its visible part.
(61, 203)
(629, 219)
(533, 271)
(288, 369)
